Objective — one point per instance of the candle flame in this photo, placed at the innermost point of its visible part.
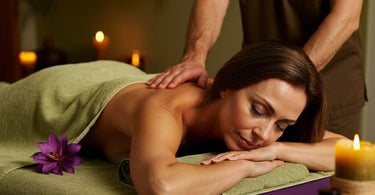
(27, 58)
(99, 36)
(135, 58)
(356, 145)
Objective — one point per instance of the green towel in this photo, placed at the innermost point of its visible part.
(289, 173)
(94, 177)
(97, 176)
(65, 100)
(3, 85)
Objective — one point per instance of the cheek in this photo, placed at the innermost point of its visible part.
(233, 115)
(274, 136)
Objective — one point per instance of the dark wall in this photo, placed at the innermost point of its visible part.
(10, 69)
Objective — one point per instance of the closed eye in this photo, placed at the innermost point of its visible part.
(280, 128)
(256, 109)
(282, 125)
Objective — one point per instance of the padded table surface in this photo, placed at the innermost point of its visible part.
(309, 188)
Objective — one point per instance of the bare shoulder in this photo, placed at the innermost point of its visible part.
(159, 122)
(130, 101)
(182, 97)
(142, 113)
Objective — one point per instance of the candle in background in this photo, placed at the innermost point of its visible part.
(27, 61)
(135, 58)
(27, 58)
(355, 160)
(101, 42)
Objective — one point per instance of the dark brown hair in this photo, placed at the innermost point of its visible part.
(270, 59)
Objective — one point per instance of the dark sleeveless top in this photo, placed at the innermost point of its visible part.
(295, 21)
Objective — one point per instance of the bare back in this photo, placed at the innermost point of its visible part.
(113, 132)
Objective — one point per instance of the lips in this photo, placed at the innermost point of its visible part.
(246, 144)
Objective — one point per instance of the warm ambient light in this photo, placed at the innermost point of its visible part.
(101, 43)
(135, 58)
(99, 36)
(356, 145)
(27, 58)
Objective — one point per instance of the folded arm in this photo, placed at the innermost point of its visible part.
(154, 168)
(318, 156)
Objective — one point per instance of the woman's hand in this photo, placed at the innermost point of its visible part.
(174, 76)
(266, 153)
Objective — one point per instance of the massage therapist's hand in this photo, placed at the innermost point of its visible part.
(265, 153)
(174, 76)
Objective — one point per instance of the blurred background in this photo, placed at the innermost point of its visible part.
(156, 28)
(63, 31)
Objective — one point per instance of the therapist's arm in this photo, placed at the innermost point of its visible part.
(205, 24)
(335, 29)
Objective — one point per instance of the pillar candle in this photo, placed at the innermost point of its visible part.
(135, 58)
(355, 160)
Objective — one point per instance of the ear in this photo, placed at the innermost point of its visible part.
(223, 93)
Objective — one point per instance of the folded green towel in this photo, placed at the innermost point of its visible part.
(65, 100)
(288, 173)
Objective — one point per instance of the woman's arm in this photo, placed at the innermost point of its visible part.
(316, 156)
(154, 168)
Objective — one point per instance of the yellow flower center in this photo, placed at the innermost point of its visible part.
(54, 156)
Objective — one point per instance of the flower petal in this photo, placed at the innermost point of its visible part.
(76, 160)
(57, 170)
(64, 142)
(39, 168)
(49, 167)
(71, 161)
(74, 148)
(45, 148)
(54, 142)
(69, 169)
(41, 158)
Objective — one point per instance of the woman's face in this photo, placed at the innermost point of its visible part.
(257, 115)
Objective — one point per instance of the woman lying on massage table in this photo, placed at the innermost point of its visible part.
(266, 92)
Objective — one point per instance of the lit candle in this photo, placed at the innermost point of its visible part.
(135, 58)
(27, 58)
(101, 42)
(355, 160)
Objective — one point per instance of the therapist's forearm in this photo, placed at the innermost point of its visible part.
(335, 29)
(204, 28)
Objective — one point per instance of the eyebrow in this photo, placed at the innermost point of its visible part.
(270, 108)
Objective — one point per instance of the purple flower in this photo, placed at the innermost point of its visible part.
(57, 155)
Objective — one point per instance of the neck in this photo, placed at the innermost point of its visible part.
(201, 123)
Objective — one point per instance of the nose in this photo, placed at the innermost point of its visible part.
(262, 133)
